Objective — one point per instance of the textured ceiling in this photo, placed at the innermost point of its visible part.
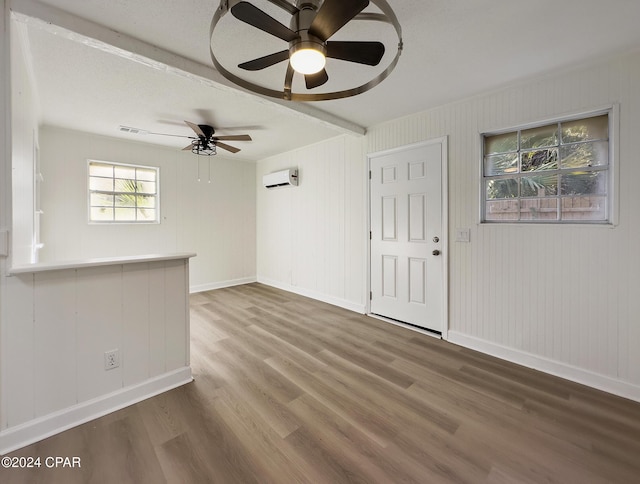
(452, 50)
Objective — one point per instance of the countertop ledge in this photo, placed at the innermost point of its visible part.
(96, 262)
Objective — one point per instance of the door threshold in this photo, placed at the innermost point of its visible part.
(412, 327)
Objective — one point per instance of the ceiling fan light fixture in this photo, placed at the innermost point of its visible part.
(202, 148)
(312, 24)
(308, 57)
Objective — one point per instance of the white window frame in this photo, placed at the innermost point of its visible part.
(121, 222)
(613, 173)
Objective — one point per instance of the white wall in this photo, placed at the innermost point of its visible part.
(24, 141)
(216, 220)
(5, 190)
(61, 322)
(311, 238)
(560, 298)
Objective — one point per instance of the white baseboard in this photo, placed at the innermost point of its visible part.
(221, 284)
(42, 427)
(334, 301)
(553, 367)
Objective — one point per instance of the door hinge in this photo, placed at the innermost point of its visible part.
(369, 174)
(370, 235)
(370, 295)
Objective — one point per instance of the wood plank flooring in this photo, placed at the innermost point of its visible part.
(291, 390)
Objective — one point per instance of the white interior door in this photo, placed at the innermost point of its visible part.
(407, 240)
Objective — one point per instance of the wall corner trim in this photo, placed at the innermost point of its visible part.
(40, 428)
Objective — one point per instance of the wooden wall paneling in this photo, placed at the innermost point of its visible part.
(18, 352)
(55, 341)
(157, 321)
(136, 323)
(99, 329)
(176, 308)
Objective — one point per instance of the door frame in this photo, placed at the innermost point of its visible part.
(444, 182)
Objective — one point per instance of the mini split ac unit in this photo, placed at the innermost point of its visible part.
(281, 178)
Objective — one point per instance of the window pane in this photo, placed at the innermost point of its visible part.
(125, 214)
(586, 129)
(539, 137)
(127, 186)
(101, 169)
(501, 143)
(540, 160)
(101, 184)
(503, 188)
(101, 200)
(584, 183)
(146, 175)
(147, 214)
(146, 187)
(584, 208)
(539, 209)
(125, 172)
(539, 186)
(125, 200)
(146, 201)
(100, 214)
(122, 193)
(584, 154)
(499, 164)
(501, 210)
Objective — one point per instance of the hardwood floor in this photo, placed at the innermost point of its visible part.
(288, 389)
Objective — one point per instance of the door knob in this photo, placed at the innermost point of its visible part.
(436, 252)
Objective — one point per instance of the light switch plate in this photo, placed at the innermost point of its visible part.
(462, 235)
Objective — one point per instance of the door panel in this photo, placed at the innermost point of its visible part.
(407, 279)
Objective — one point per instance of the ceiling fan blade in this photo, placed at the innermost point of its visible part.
(266, 61)
(333, 15)
(224, 146)
(196, 129)
(187, 148)
(369, 53)
(234, 137)
(316, 80)
(252, 15)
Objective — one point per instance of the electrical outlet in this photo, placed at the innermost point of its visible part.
(111, 359)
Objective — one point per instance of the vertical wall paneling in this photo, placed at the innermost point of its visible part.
(55, 341)
(62, 325)
(557, 297)
(100, 323)
(311, 239)
(157, 323)
(175, 302)
(20, 353)
(136, 323)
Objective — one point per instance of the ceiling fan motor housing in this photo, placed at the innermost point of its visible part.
(300, 23)
(207, 130)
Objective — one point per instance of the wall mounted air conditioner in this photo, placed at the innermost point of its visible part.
(281, 178)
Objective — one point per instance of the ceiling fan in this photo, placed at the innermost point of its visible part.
(204, 143)
(308, 37)
(312, 24)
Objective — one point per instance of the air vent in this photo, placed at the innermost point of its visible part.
(129, 129)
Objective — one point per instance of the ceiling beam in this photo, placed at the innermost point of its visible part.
(67, 25)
